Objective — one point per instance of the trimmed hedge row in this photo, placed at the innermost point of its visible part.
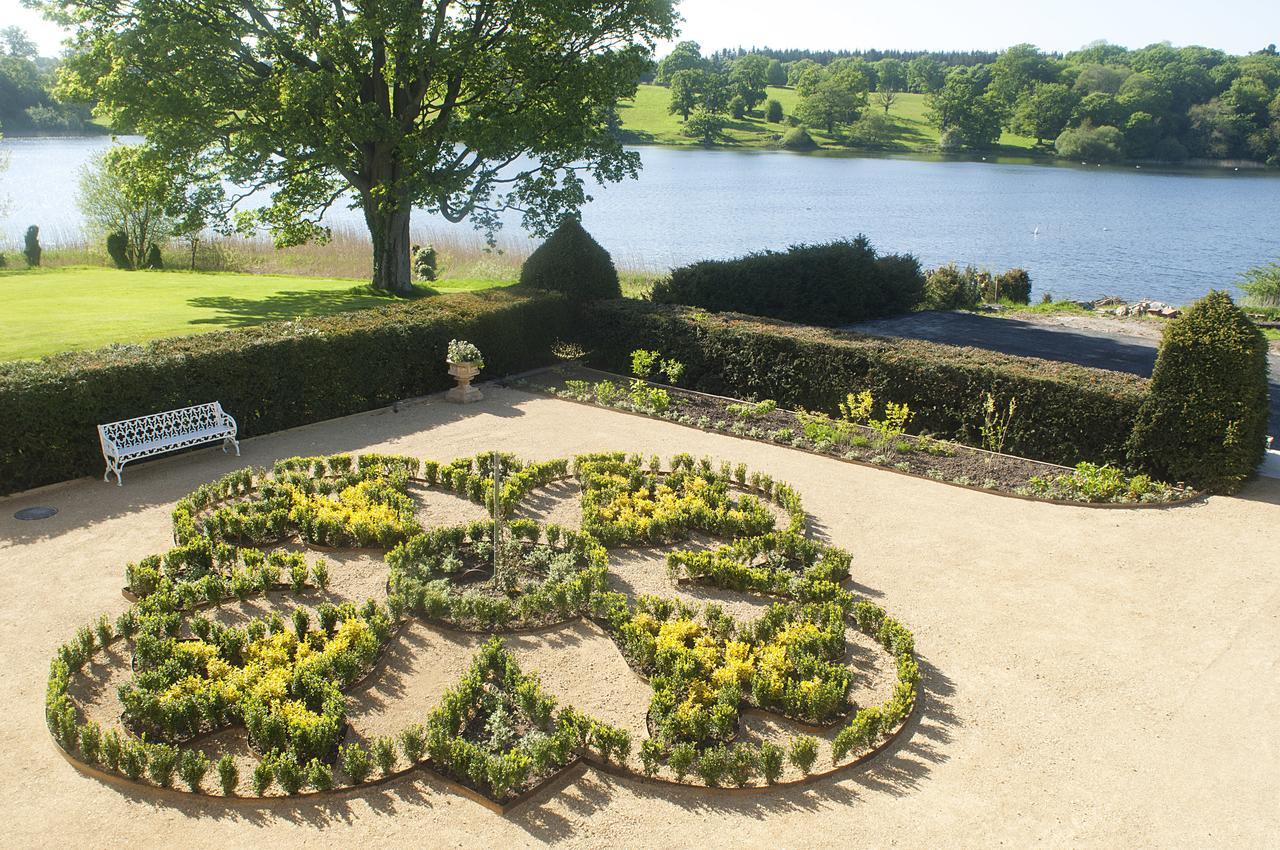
(271, 377)
(830, 284)
(1079, 413)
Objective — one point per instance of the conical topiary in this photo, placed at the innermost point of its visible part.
(1205, 419)
(570, 261)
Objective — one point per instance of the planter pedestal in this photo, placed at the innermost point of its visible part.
(464, 374)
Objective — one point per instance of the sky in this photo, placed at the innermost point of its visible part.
(1236, 26)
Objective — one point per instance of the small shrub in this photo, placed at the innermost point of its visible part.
(570, 261)
(31, 246)
(950, 288)
(153, 260)
(289, 774)
(118, 249)
(384, 755)
(413, 741)
(650, 756)
(1013, 285)
(90, 740)
(682, 759)
(228, 774)
(425, 263)
(771, 756)
(192, 767)
(319, 775)
(804, 752)
(320, 572)
(773, 112)
(798, 139)
(162, 763)
(133, 759)
(264, 776)
(355, 762)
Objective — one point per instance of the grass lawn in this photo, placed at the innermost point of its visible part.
(67, 309)
(646, 121)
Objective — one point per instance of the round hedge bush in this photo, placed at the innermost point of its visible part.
(1205, 419)
(572, 262)
(798, 139)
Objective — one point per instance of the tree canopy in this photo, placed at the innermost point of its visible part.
(466, 109)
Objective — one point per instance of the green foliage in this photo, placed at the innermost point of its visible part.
(264, 777)
(1105, 484)
(950, 288)
(355, 762)
(1090, 144)
(384, 754)
(829, 284)
(771, 756)
(228, 774)
(1081, 413)
(1205, 419)
(270, 377)
(31, 249)
(161, 764)
(804, 752)
(192, 767)
(426, 263)
(1262, 285)
(704, 125)
(798, 139)
(572, 262)
(773, 111)
(964, 113)
(162, 71)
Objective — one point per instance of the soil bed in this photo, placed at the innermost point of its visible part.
(940, 460)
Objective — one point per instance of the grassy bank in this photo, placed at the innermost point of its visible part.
(48, 311)
(646, 121)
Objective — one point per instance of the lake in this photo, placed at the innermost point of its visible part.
(1082, 231)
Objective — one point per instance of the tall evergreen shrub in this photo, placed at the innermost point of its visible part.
(1205, 419)
(572, 262)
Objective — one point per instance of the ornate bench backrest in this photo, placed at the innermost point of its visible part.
(163, 427)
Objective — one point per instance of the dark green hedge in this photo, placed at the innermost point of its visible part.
(1079, 413)
(572, 262)
(831, 284)
(1205, 421)
(270, 377)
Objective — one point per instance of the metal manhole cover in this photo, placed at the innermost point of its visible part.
(35, 513)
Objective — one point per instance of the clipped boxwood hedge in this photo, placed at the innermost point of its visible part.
(274, 376)
(829, 284)
(1079, 413)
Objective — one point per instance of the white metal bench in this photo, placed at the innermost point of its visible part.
(144, 436)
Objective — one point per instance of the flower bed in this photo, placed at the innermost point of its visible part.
(863, 439)
(497, 733)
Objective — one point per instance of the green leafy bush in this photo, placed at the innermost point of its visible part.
(1091, 144)
(1205, 420)
(798, 139)
(572, 262)
(1013, 285)
(270, 377)
(228, 774)
(118, 249)
(829, 284)
(951, 288)
(1080, 413)
(31, 246)
(773, 111)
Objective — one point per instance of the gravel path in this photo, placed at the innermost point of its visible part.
(1094, 678)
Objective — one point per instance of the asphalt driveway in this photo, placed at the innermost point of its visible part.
(1118, 352)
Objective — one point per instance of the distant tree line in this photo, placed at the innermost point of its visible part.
(946, 58)
(27, 104)
(1101, 103)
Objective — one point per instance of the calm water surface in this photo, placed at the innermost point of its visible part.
(1081, 231)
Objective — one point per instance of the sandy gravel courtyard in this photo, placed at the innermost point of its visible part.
(1092, 677)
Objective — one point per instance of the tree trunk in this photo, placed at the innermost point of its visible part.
(392, 271)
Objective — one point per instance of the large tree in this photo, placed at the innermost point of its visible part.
(466, 109)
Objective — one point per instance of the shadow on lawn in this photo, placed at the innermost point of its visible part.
(236, 312)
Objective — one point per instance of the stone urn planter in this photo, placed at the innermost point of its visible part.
(464, 374)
